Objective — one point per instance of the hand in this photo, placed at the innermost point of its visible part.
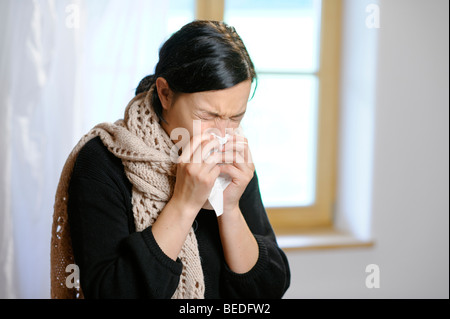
(194, 181)
(239, 166)
(240, 248)
(197, 171)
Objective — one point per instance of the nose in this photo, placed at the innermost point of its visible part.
(222, 125)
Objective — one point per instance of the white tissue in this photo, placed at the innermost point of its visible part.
(216, 196)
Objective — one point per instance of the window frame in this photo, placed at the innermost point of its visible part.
(320, 214)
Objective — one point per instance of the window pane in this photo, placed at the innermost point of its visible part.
(281, 125)
(280, 35)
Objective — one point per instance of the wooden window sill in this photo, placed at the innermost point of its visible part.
(319, 238)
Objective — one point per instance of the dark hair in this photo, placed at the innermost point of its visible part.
(201, 56)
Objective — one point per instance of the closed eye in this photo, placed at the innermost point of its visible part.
(209, 116)
(237, 118)
(206, 116)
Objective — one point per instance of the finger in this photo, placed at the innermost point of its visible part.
(235, 144)
(238, 167)
(213, 159)
(238, 139)
(210, 167)
(243, 162)
(207, 149)
(215, 171)
(230, 170)
(238, 154)
(189, 149)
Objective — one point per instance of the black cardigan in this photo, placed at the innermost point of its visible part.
(115, 261)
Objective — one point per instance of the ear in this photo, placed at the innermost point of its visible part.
(165, 94)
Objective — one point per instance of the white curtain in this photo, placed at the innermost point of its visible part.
(65, 66)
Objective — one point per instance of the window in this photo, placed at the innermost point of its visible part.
(282, 39)
(291, 121)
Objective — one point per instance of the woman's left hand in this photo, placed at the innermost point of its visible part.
(239, 244)
(238, 164)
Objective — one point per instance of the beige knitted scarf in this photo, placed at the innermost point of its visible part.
(145, 150)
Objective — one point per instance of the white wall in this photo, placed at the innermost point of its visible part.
(402, 188)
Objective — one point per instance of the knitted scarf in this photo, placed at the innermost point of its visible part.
(145, 150)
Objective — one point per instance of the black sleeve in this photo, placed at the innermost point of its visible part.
(270, 277)
(114, 261)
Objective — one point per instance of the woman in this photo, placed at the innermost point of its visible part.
(138, 223)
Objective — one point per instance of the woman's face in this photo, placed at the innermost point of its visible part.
(218, 110)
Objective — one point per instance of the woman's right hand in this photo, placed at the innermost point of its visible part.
(197, 171)
(196, 174)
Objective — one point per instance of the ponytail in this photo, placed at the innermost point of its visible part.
(145, 84)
